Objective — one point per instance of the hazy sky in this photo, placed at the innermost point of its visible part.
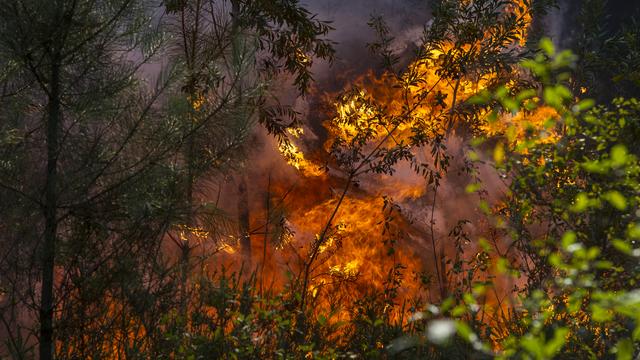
(350, 17)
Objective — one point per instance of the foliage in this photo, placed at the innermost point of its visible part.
(99, 166)
(581, 190)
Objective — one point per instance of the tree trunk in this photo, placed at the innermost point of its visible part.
(243, 193)
(185, 269)
(243, 220)
(50, 215)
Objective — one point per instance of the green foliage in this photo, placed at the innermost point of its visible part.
(583, 189)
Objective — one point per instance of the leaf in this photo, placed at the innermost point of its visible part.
(568, 239)
(525, 94)
(479, 99)
(584, 105)
(618, 155)
(581, 203)
(555, 345)
(624, 349)
(546, 45)
(501, 92)
(472, 188)
(551, 97)
(600, 314)
(498, 154)
(616, 199)
(533, 345)
(622, 246)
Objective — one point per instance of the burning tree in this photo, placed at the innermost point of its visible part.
(408, 116)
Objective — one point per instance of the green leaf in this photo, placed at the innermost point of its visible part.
(563, 92)
(552, 97)
(472, 188)
(534, 66)
(616, 199)
(568, 239)
(525, 94)
(511, 105)
(547, 46)
(533, 345)
(555, 345)
(622, 246)
(618, 155)
(502, 265)
(634, 231)
(624, 349)
(581, 203)
(498, 154)
(482, 97)
(501, 92)
(600, 314)
(584, 105)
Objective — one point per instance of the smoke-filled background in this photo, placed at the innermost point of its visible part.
(282, 196)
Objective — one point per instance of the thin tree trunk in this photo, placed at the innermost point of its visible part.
(265, 238)
(184, 281)
(185, 246)
(243, 220)
(50, 215)
(243, 193)
(190, 51)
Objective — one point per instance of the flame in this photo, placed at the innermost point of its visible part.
(227, 248)
(359, 252)
(295, 157)
(521, 10)
(348, 270)
(363, 248)
(185, 233)
(519, 126)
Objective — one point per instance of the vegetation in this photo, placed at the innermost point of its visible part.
(472, 202)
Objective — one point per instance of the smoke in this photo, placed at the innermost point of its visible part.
(562, 24)
(406, 19)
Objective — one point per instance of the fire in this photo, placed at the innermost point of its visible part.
(357, 249)
(348, 270)
(361, 243)
(185, 233)
(521, 9)
(358, 252)
(296, 158)
(519, 126)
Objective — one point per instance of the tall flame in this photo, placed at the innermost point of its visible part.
(361, 250)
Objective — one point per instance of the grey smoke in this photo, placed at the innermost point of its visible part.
(406, 18)
(562, 23)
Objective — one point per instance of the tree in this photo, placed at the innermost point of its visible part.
(232, 50)
(468, 46)
(77, 137)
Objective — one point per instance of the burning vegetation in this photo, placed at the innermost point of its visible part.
(475, 197)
